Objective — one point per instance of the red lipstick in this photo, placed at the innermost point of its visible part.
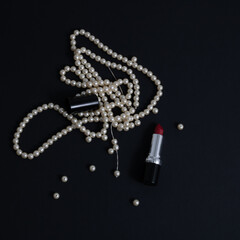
(158, 129)
(153, 161)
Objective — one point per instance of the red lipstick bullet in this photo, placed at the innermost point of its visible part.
(153, 162)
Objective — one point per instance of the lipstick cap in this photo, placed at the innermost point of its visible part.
(151, 173)
(83, 103)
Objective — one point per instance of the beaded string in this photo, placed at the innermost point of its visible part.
(107, 91)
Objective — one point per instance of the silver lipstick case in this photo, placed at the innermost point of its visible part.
(153, 161)
(154, 154)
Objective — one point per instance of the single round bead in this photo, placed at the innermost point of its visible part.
(24, 155)
(180, 126)
(114, 141)
(115, 147)
(92, 168)
(19, 152)
(104, 137)
(36, 153)
(136, 202)
(134, 59)
(137, 122)
(98, 135)
(30, 156)
(56, 195)
(155, 110)
(64, 179)
(110, 151)
(116, 173)
(88, 139)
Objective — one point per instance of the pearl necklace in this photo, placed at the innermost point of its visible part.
(105, 90)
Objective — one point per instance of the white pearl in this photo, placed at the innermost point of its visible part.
(116, 147)
(41, 149)
(54, 138)
(24, 155)
(155, 110)
(15, 146)
(98, 135)
(180, 126)
(110, 151)
(104, 137)
(137, 122)
(120, 127)
(45, 145)
(82, 31)
(131, 125)
(64, 179)
(136, 202)
(93, 134)
(36, 153)
(30, 156)
(92, 168)
(114, 124)
(56, 195)
(134, 59)
(116, 173)
(88, 139)
(114, 141)
(19, 152)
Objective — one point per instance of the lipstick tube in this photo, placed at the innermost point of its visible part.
(153, 162)
(83, 103)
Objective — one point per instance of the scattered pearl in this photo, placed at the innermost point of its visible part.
(136, 202)
(92, 168)
(64, 179)
(155, 110)
(116, 173)
(180, 126)
(56, 195)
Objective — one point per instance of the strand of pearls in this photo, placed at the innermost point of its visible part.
(108, 92)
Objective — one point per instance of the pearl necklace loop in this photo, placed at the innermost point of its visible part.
(108, 92)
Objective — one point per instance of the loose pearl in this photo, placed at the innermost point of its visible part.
(92, 168)
(136, 202)
(116, 173)
(56, 195)
(180, 126)
(64, 179)
(155, 110)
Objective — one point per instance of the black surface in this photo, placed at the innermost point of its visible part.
(194, 49)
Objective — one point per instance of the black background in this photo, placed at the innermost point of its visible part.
(193, 47)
